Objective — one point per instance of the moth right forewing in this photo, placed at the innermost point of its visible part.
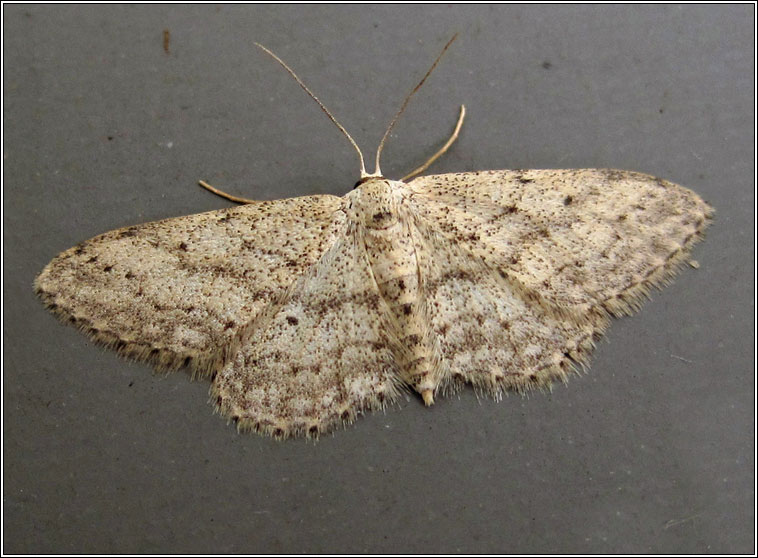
(581, 238)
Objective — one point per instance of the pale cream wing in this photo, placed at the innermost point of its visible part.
(318, 359)
(172, 292)
(489, 331)
(578, 238)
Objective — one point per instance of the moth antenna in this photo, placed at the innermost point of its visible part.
(406, 101)
(326, 111)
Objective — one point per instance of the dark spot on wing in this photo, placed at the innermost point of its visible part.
(381, 215)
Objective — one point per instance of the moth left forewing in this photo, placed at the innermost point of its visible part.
(172, 292)
(583, 239)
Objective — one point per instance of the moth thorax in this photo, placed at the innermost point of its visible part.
(374, 203)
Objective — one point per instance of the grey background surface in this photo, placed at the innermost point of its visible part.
(652, 451)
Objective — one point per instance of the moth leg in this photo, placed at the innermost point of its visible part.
(223, 194)
(442, 150)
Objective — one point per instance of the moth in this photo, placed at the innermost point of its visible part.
(306, 312)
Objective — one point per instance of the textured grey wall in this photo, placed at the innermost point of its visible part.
(652, 451)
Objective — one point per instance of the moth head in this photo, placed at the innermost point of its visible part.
(374, 203)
